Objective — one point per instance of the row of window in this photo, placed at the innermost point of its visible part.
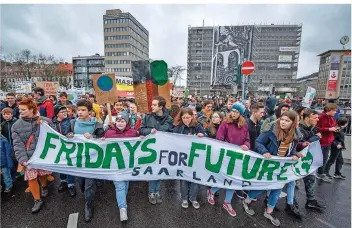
(121, 29)
(118, 61)
(118, 69)
(124, 20)
(126, 46)
(120, 37)
(120, 53)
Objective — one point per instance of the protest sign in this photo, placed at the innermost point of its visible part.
(308, 99)
(105, 88)
(124, 86)
(169, 156)
(50, 88)
(23, 87)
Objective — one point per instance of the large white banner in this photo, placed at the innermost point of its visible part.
(169, 156)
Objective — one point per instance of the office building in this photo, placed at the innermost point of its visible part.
(215, 52)
(125, 40)
(84, 67)
(334, 79)
(307, 81)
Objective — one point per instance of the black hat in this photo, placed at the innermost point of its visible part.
(58, 108)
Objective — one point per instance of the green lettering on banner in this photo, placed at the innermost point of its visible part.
(152, 157)
(109, 153)
(215, 168)
(192, 154)
(79, 154)
(253, 173)
(266, 168)
(282, 171)
(233, 157)
(132, 150)
(65, 149)
(48, 144)
(100, 155)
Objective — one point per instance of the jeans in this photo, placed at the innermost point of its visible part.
(335, 156)
(325, 150)
(67, 178)
(228, 194)
(273, 196)
(89, 187)
(309, 183)
(189, 190)
(6, 173)
(121, 189)
(154, 186)
(290, 189)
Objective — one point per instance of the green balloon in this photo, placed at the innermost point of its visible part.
(158, 70)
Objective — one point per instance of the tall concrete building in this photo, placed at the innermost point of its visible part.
(84, 67)
(334, 79)
(215, 52)
(125, 40)
(307, 81)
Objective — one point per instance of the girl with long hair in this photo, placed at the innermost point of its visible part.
(214, 125)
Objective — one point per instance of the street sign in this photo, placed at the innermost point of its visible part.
(247, 68)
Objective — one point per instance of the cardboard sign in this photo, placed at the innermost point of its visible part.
(50, 88)
(105, 88)
(23, 87)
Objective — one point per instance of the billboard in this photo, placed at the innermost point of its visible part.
(285, 58)
(295, 49)
(232, 45)
(284, 66)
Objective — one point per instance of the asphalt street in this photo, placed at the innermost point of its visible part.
(16, 208)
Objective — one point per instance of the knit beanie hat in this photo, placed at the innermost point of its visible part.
(58, 108)
(239, 107)
(123, 115)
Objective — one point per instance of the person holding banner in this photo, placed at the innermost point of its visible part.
(121, 129)
(186, 125)
(214, 125)
(280, 140)
(158, 120)
(25, 133)
(233, 130)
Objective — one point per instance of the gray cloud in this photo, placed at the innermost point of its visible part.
(72, 30)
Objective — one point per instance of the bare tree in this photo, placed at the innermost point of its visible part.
(175, 72)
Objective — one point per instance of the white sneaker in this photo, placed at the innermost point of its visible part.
(184, 204)
(123, 214)
(283, 195)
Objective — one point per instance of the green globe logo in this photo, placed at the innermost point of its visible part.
(302, 167)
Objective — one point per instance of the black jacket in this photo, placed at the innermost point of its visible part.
(6, 129)
(208, 132)
(183, 129)
(160, 123)
(254, 132)
(339, 139)
(308, 135)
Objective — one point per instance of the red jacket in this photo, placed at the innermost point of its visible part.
(325, 122)
(46, 109)
(116, 133)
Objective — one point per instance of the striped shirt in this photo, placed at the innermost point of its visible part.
(283, 149)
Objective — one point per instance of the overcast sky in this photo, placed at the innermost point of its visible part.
(71, 30)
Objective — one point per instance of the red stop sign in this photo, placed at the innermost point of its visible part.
(247, 68)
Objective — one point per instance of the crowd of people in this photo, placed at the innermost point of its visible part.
(267, 126)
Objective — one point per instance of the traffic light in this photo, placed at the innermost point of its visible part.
(238, 80)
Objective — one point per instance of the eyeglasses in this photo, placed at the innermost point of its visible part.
(63, 112)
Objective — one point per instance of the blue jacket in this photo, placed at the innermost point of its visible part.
(62, 127)
(6, 150)
(268, 143)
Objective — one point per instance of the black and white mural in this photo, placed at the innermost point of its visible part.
(232, 45)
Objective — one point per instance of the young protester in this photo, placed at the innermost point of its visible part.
(25, 133)
(53, 99)
(45, 105)
(336, 150)
(11, 103)
(6, 163)
(121, 129)
(95, 106)
(254, 124)
(118, 107)
(186, 125)
(247, 112)
(158, 120)
(233, 130)
(204, 116)
(135, 117)
(89, 127)
(327, 127)
(283, 107)
(300, 110)
(227, 108)
(214, 125)
(71, 111)
(62, 124)
(63, 100)
(280, 140)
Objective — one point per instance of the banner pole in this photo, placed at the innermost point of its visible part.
(109, 112)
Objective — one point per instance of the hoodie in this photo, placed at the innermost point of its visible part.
(92, 127)
(308, 135)
(160, 123)
(114, 132)
(45, 107)
(278, 110)
(274, 116)
(63, 127)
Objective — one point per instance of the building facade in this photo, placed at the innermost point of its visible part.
(215, 52)
(84, 67)
(334, 79)
(308, 81)
(125, 40)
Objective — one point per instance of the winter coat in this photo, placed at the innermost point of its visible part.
(62, 127)
(339, 139)
(308, 135)
(21, 132)
(160, 123)
(325, 122)
(204, 118)
(2, 106)
(183, 129)
(6, 150)
(268, 143)
(16, 111)
(114, 132)
(229, 132)
(45, 107)
(98, 129)
(208, 131)
(96, 109)
(6, 129)
(247, 113)
(254, 132)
